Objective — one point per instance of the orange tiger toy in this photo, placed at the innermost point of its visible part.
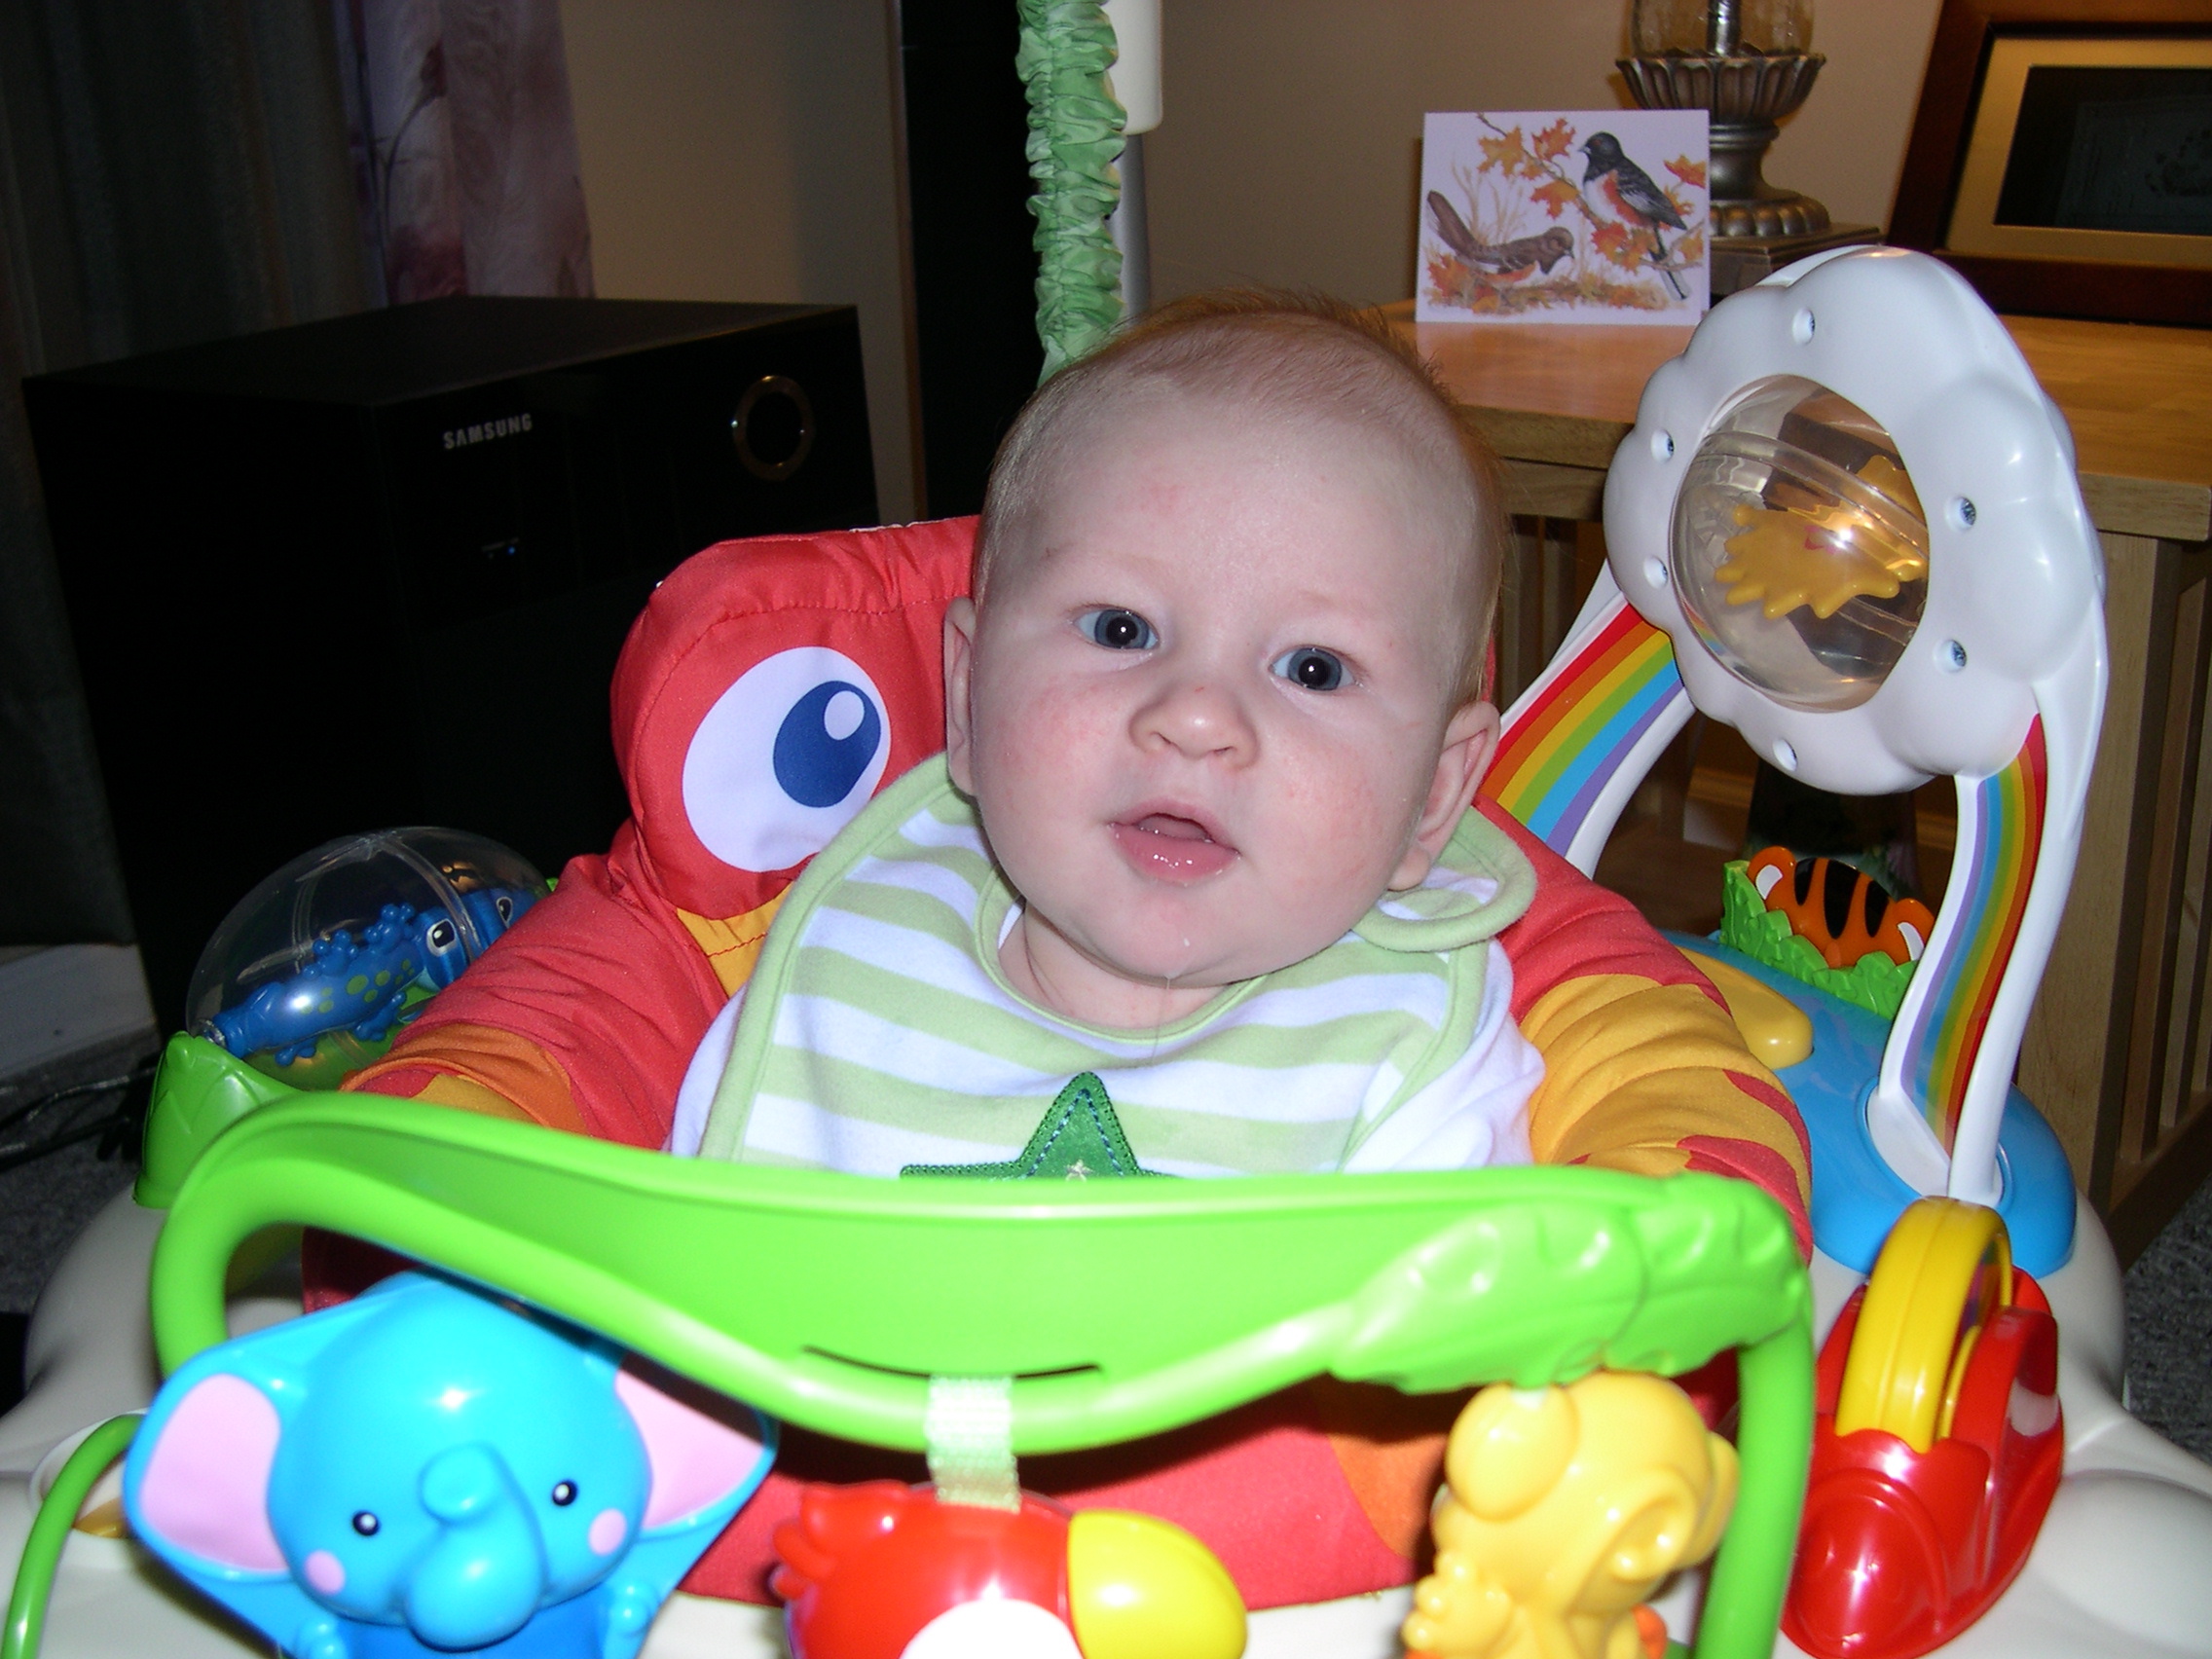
(1844, 920)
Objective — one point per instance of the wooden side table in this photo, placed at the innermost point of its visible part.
(2119, 1052)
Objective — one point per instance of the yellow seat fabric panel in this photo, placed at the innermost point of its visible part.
(1651, 1079)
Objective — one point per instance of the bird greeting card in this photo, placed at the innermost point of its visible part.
(1563, 216)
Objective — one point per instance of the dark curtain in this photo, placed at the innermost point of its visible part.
(169, 173)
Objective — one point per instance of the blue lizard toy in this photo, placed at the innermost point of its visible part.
(361, 984)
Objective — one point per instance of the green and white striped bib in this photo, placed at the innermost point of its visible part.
(879, 1032)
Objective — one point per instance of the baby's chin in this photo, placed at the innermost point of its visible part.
(1121, 977)
(1202, 961)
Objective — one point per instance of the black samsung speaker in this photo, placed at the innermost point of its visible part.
(375, 571)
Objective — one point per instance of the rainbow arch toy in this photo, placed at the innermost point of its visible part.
(1799, 405)
(1580, 740)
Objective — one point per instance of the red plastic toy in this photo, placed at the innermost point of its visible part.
(1903, 1547)
(884, 1571)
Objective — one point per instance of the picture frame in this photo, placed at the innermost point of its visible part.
(2035, 226)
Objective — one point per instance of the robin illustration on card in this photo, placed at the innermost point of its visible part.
(1563, 216)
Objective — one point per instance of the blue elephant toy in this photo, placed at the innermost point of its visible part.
(429, 1469)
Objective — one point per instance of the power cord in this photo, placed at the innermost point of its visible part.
(109, 1110)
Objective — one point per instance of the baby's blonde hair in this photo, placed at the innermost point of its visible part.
(1304, 356)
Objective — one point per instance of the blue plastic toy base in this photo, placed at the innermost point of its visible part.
(1856, 1199)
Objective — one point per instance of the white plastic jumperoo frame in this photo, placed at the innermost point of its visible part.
(1998, 681)
(2010, 646)
(1999, 685)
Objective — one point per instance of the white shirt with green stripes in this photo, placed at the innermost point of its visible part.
(879, 1030)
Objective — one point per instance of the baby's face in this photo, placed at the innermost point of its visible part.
(1206, 716)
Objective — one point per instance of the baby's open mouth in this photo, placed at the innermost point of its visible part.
(1174, 827)
(1169, 847)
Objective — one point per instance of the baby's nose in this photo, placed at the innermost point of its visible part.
(1199, 717)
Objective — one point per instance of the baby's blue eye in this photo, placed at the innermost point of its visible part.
(1311, 667)
(1117, 630)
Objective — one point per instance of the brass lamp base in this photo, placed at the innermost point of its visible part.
(1780, 214)
(1747, 93)
(1743, 261)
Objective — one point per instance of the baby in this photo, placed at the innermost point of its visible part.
(1215, 721)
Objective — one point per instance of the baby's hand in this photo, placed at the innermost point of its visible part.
(1460, 1612)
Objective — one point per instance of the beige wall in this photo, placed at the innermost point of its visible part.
(742, 150)
(1291, 147)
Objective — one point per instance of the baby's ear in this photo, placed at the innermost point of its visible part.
(1470, 740)
(959, 663)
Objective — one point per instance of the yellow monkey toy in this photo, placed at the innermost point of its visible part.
(1565, 1508)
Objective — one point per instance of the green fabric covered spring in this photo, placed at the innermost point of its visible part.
(1074, 136)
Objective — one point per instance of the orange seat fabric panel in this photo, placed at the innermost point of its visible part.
(584, 1015)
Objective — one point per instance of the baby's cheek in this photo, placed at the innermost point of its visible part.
(1345, 840)
(1029, 782)
(1337, 811)
(1044, 732)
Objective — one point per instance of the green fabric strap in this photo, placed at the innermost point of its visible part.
(1074, 136)
(969, 1426)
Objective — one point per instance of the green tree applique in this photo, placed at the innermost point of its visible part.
(1080, 1138)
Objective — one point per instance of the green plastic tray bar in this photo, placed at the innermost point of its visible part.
(1121, 1309)
(27, 1603)
(1774, 1437)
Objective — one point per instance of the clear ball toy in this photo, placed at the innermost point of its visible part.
(313, 973)
(1798, 546)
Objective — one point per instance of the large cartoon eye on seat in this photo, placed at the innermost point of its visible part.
(807, 671)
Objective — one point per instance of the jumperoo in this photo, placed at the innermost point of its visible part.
(1845, 523)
